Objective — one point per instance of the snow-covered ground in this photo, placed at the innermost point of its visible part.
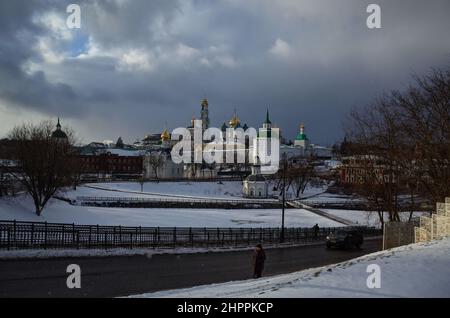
(418, 270)
(21, 208)
(211, 190)
(367, 218)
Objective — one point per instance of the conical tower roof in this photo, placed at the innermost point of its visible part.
(267, 121)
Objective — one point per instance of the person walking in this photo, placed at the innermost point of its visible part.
(316, 231)
(259, 257)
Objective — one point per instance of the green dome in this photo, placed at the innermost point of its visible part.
(224, 127)
(59, 134)
(301, 137)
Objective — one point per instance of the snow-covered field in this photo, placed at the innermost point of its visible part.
(418, 270)
(21, 208)
(211, 190)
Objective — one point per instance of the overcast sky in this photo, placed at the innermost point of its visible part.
(136, 65)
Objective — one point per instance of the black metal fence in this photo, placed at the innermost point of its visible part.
(175, 202)
(25, 235)
(84, 199)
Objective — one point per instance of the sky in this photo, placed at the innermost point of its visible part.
(137, 66)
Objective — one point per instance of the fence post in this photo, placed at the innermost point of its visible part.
(191, 239)
(114, 237)
(131, 240)
(158, 235)
(136, 235)
(15, 229)
(174, 237)
(73, 234)
(8, 232)
(120, 235)
(63, 236)
(32, 234)
(154, 238)
(90, 236)
(45, 235)
(105, 238)
(98, 239)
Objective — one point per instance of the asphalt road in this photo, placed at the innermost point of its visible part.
(128, 275)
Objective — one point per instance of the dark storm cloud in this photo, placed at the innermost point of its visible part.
(18, 34)
(144, 63)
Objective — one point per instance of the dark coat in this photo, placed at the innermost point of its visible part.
(259, 257)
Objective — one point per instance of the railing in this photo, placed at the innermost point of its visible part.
(87, 199)
(29, 235)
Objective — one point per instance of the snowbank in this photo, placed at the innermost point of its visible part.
(149, 252)
(418, 270)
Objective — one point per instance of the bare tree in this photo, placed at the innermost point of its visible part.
(423, 115)
(155, 160)
(77, 168)
(405, 140)
(43, 161)
(141, 179)
(300, 174)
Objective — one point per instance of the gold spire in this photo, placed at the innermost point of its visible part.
(204, 103)
(234, 121)
(165, 136)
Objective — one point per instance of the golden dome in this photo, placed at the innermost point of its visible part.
(234, 122)
(165, 135)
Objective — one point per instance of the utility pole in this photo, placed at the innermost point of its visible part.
(284, 198)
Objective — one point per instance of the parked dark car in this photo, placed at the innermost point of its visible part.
(345, 239)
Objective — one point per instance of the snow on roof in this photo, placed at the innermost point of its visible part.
(125, 152)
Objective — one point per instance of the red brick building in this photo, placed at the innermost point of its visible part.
(111, 163)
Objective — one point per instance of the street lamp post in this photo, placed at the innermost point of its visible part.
(283, 198)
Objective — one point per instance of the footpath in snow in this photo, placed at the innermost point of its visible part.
(418, 270)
